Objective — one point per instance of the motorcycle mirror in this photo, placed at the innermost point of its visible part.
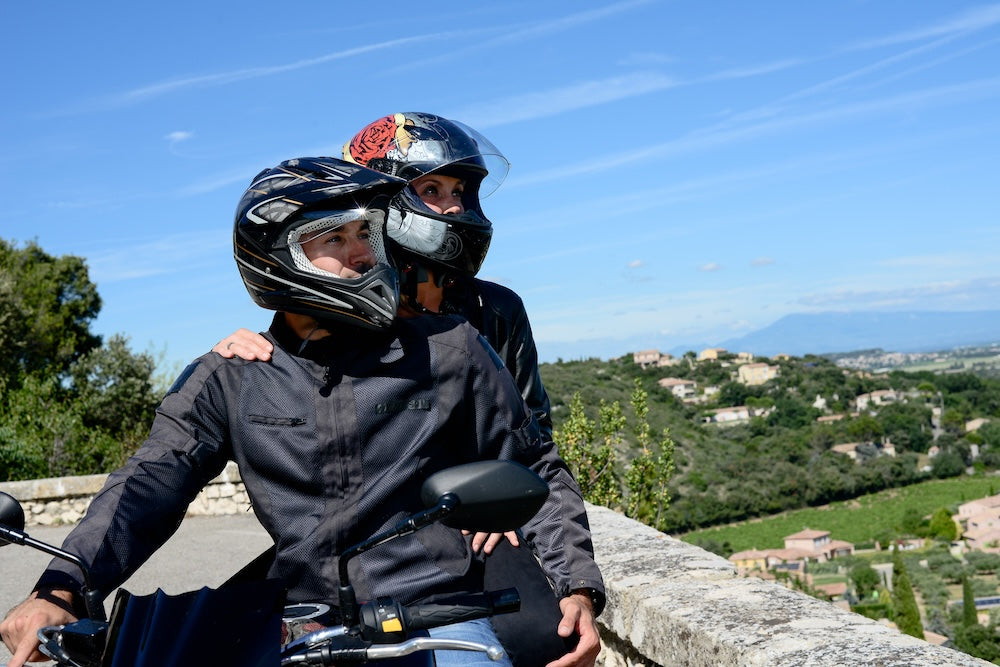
(11, 515)
(493, 496)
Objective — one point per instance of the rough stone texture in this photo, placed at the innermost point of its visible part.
(64, 500)
(669, 603)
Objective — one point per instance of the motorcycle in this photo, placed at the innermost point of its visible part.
(240, 622)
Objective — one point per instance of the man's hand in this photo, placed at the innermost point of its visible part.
(488, 541)
(244, 344)
(578, 617)
(20, 628)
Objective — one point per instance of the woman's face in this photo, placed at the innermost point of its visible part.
(344, 251)
(442, 194)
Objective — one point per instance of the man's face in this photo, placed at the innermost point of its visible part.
(345, 251)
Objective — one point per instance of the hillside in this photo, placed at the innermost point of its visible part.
(910, 331)
(779, 456)
(811, 333)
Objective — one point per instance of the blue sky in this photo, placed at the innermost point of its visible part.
(682, 172)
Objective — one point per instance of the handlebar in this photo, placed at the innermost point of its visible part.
(385, 626)
(328, 655)
(384, 619)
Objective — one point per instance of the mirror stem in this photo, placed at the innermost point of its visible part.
(91, 597)
(348, 602)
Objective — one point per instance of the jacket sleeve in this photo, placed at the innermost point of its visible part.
(142, 503)
(560, 532)
(504, 322)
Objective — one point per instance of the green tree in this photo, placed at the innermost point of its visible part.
(115, 387)
(46, 307)
(866, 580)
(942, 526)
(904, 603)
(648, 475)
(68, 405)
(865, 428)
(978, 641)
(969, 615)
(592, 466)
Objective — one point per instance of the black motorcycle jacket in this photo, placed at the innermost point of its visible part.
(499, 315)
(333, 439)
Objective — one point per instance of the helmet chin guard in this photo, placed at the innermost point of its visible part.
(296, 200)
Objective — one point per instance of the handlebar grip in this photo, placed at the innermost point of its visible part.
(463, 608)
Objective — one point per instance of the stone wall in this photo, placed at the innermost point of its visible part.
(669, 603)
(64, 500)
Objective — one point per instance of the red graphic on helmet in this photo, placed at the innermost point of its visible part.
(378, 139)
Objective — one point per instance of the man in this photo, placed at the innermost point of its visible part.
(333, 437)
(439, 235)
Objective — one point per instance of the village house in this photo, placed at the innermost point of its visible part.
(737, 413)
(974, 424)
(826, 419)
(647, 358)
(989, 504)
(800, 548)
(756, 374)
(711, 353)
(875, 398)
(818, 545)
(679, 387)
(979, 520)
(850, 449)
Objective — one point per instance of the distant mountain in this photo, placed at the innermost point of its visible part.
(827, 333)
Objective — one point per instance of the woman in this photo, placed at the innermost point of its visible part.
(438, 236)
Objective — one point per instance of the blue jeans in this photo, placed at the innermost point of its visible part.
(480, 631)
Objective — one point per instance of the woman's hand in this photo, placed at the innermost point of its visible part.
(488, 541)
(244, 344)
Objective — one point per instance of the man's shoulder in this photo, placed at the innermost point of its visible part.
(497, 296)
(435, 327)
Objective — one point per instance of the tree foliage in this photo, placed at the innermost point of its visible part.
(589, 448)
(782, 458)
(69, 405)
(47, 305)
(904, 603)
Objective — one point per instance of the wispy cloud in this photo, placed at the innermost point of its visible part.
(930, 261)
(943, 295)
(552, 102)
(971, 20)
(710, 267)
(569, 22)
(175, 138)
(162, 88)
(762, 261)
(645, 59)
(752, 70)
(177, 254)
(525, 31)
(720, 135)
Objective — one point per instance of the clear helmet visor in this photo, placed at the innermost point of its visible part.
(469, 156)
(410, 145)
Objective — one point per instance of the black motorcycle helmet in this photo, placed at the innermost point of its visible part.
(411, 145)
(296, 200)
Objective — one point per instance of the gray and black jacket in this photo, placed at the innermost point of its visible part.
(333, 441)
